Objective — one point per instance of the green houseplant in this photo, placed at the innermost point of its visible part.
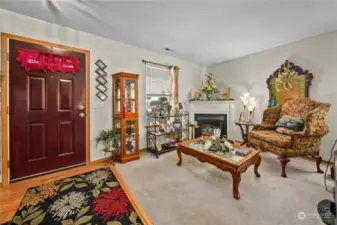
(209, 85)
(109, 139)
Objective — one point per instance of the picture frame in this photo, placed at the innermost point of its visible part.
(100, 64)
(225, 93)
(101, 96)
(177, 125)
(158, 146)
(101, 88)
(101, 72)
(101, 80)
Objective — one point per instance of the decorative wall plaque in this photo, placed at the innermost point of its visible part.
(100, 87)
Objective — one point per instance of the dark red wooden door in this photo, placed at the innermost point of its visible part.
(46, 115)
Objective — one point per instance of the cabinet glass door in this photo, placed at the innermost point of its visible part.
(117, 127)
(131, 142)
(130, 99)
(117, 96)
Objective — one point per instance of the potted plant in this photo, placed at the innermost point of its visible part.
(109, 139)
(209, 85)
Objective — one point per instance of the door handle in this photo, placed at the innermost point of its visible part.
(82, 114)
(81, 107)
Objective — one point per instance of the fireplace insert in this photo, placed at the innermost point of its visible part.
(208, 122)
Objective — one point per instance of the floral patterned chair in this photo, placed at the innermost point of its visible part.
(304, 143)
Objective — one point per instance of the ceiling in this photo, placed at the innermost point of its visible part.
(204, 32)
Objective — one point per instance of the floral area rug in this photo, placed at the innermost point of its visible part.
(90, 198)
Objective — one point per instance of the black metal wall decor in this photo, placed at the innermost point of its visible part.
(100, 87)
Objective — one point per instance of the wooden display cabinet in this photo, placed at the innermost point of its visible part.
(125, 114)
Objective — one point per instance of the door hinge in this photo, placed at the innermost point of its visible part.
(7, 110)
(7, 57)
(8, 164)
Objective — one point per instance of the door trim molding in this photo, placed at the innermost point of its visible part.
(4, 95)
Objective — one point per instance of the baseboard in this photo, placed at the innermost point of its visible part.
(108, 159)
(100, 160)
(314, 160)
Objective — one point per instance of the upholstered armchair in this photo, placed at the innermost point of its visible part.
(304, 143)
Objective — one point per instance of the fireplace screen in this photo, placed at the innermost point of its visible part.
(208, 122)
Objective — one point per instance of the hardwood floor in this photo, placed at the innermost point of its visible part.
(12, 194)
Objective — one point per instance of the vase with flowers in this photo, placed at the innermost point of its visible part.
(249, 104)
(209, 85)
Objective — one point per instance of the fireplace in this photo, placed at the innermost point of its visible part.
(208, 122)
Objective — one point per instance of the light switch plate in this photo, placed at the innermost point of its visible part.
(98, 105)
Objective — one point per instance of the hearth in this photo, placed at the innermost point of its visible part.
(208, 122)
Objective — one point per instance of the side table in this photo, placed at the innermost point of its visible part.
(244, 132)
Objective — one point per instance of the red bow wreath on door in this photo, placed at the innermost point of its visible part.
(34, 60)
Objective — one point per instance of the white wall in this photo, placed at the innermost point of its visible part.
(317, 54)
(117, 56)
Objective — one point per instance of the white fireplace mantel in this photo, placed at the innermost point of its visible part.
(231, 108)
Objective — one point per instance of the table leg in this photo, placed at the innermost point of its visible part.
(256, 167)
(236, 181)
(250, 145)
(243, 135)
(179, 157)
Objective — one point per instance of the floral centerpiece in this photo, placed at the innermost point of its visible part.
(209, 85)
(218, 145)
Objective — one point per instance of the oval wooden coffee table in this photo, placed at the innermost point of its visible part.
(233, 164)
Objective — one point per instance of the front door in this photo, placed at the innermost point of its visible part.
(46, 115)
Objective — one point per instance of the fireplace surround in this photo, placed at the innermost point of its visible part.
(228, 110)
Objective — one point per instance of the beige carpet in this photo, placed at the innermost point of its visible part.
(200, 194)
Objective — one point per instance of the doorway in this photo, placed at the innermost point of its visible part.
(47, 112)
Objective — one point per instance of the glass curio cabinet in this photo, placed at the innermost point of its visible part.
(125, 114)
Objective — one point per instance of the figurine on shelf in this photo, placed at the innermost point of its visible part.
(129, 145)
(182, 107)
(195, 95)
(162, 126)
(165, 109)
(176, 110)
(169, 108)
(161, 112)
